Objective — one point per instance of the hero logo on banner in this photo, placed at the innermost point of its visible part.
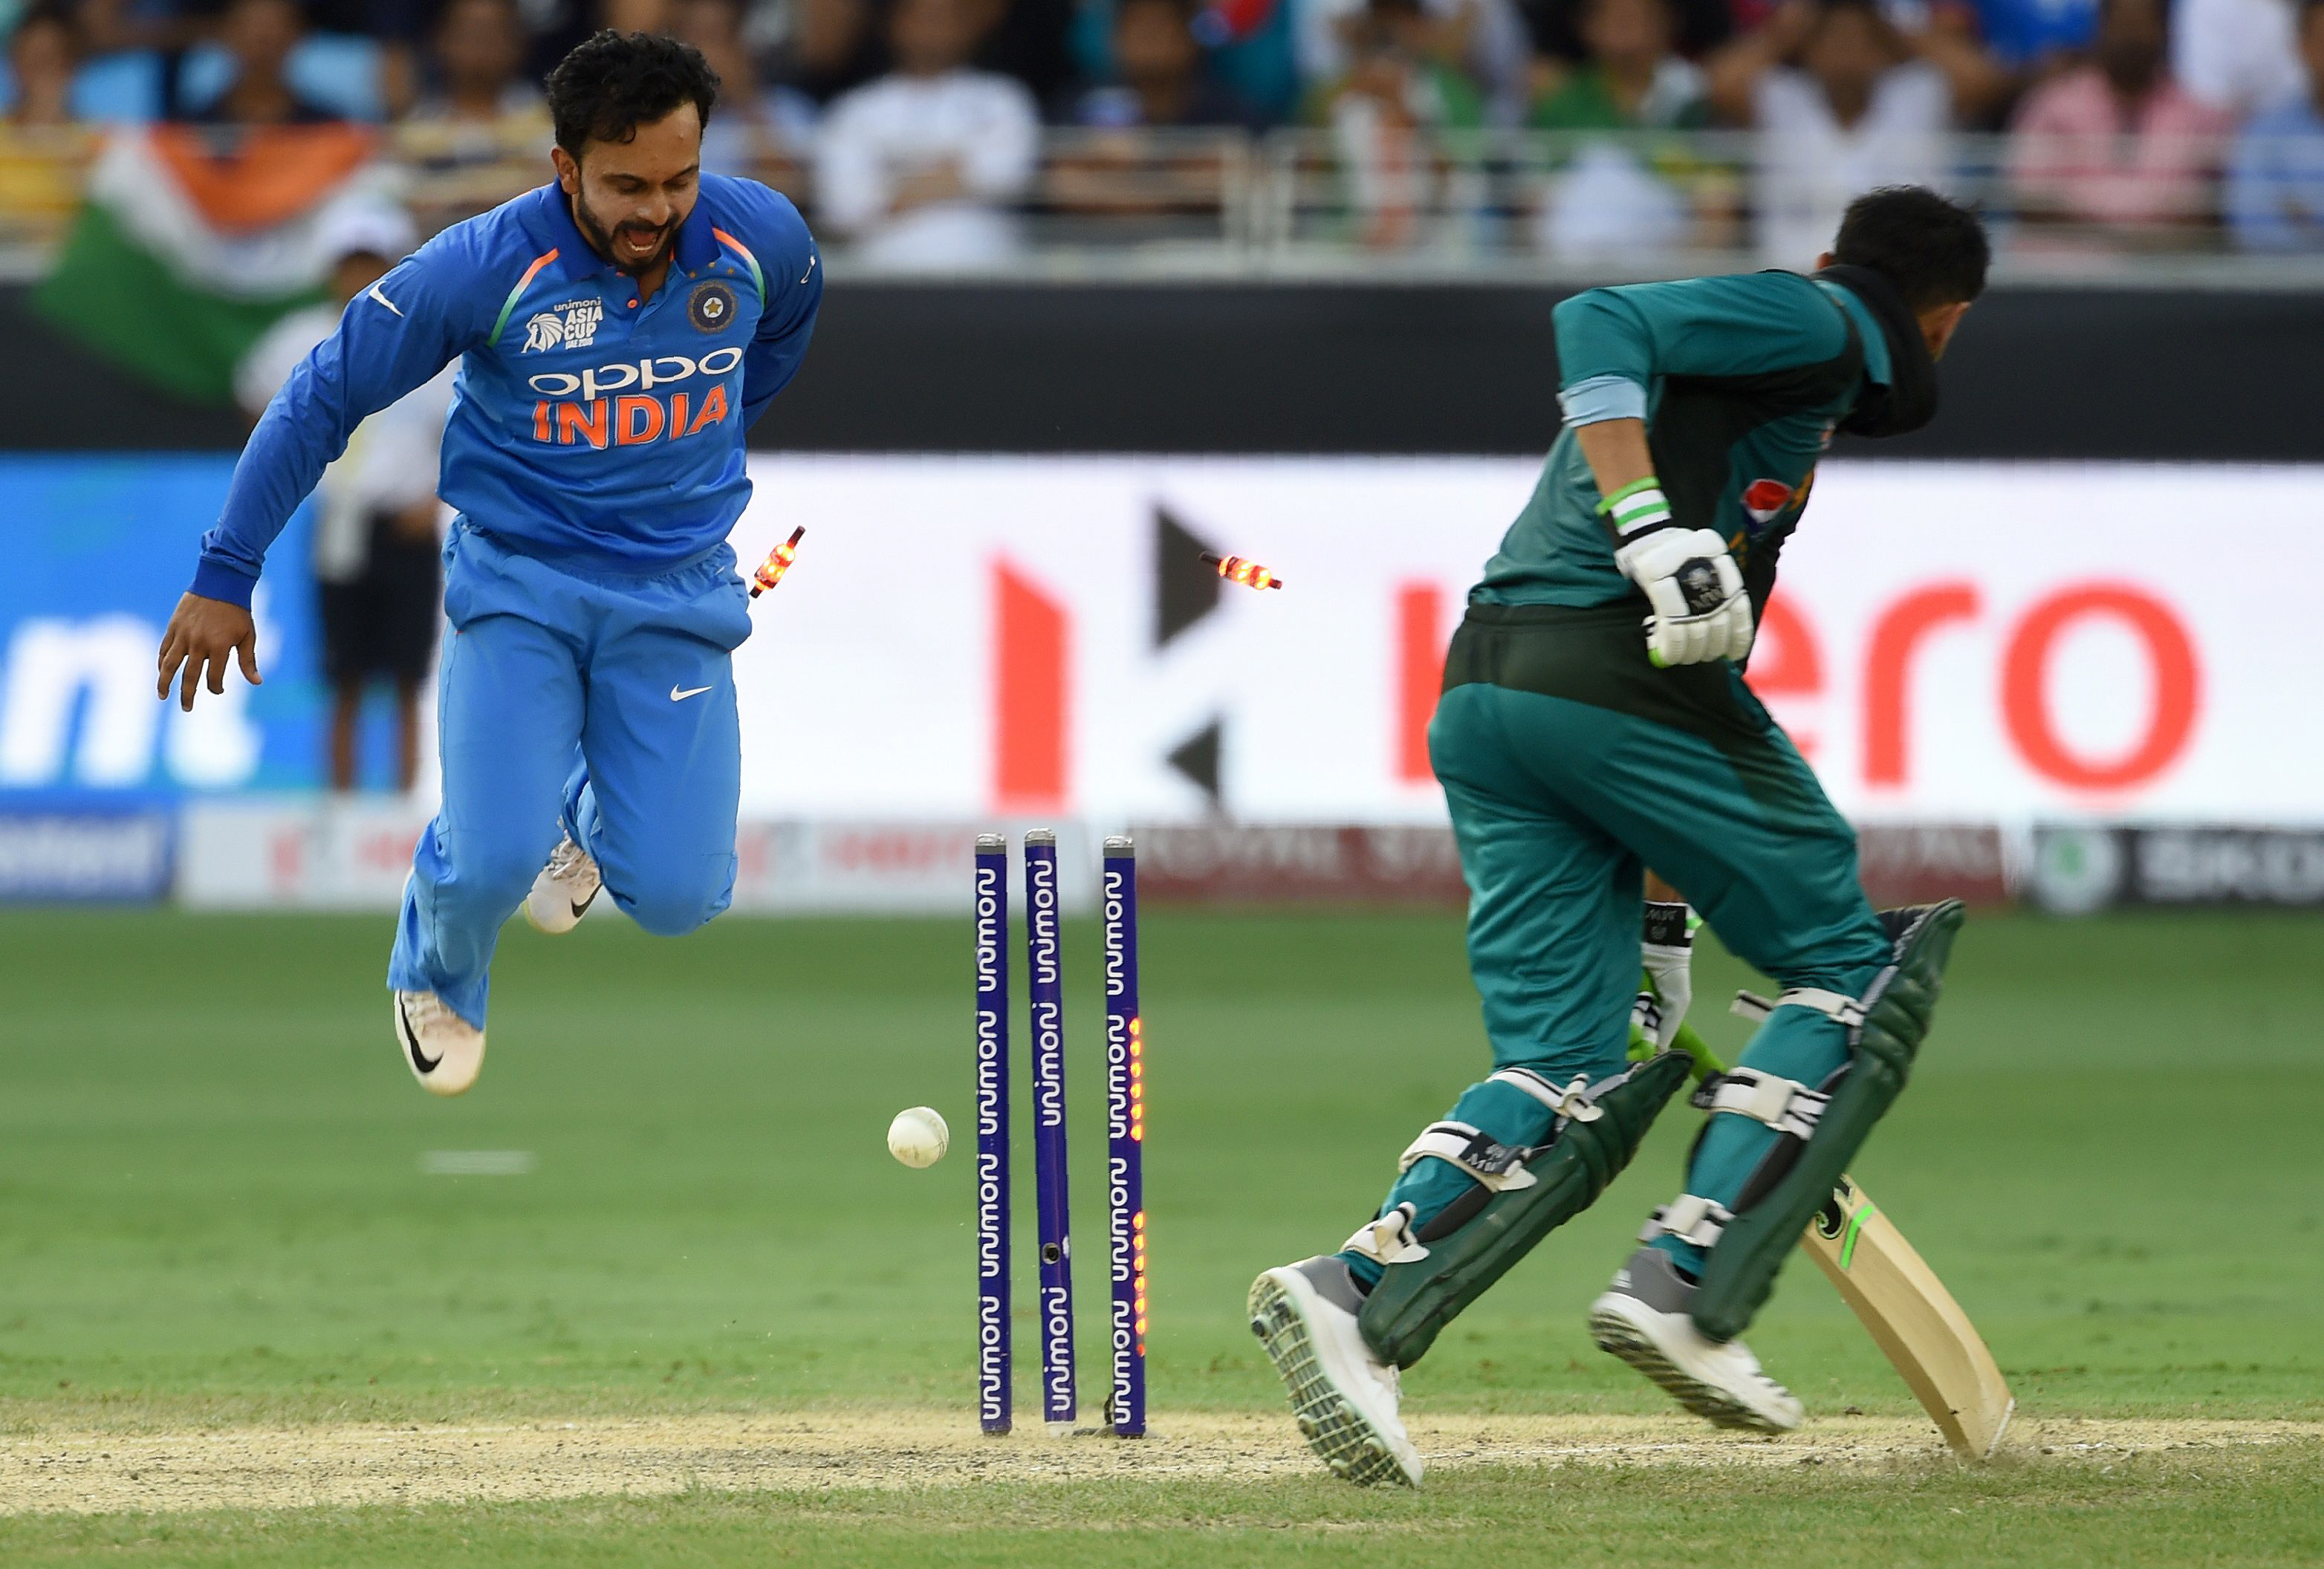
(1950, 642)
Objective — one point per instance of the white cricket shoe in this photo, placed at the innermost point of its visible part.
(565, 890)
(443, 1051)
(1643, 1319)
(1344, 1396)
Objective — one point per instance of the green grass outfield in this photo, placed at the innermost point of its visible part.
(214, 1212)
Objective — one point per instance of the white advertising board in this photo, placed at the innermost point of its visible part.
(972, 637)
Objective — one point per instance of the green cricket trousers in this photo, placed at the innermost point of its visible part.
(1569, 764)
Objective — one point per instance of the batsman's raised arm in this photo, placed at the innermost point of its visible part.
(394, 337)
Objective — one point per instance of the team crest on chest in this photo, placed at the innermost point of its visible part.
(1768, 499)
(572, 324)
(711, 307)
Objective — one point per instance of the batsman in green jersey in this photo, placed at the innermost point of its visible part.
(1594, 722)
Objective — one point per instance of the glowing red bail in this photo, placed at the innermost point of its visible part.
(778, 562)
(1234, 568)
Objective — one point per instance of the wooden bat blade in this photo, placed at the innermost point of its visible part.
(1914, 1320)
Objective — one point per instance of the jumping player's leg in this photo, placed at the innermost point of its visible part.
(509, 721)
(655, 805)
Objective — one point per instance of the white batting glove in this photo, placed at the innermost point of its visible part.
(1667, 954)
(1701, 612)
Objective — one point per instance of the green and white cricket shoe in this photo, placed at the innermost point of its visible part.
(1642, 1318)
(565, 890)
(1344, 1396)
(443, 1051)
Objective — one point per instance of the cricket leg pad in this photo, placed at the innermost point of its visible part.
(1460, 1252)
(1886, 1029)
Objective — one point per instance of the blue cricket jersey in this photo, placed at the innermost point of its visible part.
(586, 424)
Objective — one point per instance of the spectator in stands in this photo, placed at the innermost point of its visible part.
(1630, 78)
(259, 35)
(482, 128)
(376, 538)
(1698, 27)
(1387, 115)
(1120, 170)
(833, 47)
(476, 71)
(2238, 56)
(39, 167)
(1610, 197)
(922, 168)
(1483, 41)
(1162, 81)
(1844, 102)
(2032, 40)
(636, 15)
(1028, 40)
(43, 53)
(2117, 145)
(758, 131)
(2276, 191)
(113, 26)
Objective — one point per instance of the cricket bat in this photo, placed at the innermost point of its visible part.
(1913, 1320)
(1911, 1317)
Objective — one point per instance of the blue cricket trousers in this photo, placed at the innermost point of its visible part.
(575, 699)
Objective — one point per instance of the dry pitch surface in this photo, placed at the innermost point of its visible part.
(107, 1472)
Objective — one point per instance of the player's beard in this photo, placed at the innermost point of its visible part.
(603, 238)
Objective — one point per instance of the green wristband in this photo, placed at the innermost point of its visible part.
(1631, 489)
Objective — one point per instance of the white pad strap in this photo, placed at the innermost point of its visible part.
(1847, 1010)
(1500, 1166)
(1689, 1219)
(1786, 1105)
(1572, 1102)
(1388, 1239)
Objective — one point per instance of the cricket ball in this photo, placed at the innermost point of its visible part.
(918, 1137)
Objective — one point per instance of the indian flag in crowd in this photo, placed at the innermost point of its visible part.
(190, 241)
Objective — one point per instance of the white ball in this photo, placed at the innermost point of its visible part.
(918, 1137)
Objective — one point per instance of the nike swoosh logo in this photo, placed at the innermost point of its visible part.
(384, 299)
(412, 1042)
(677, 696)
(811, 261)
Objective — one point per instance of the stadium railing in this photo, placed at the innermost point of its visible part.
(1349, 201)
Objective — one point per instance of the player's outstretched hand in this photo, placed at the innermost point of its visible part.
(201, 635)
(1701, 611)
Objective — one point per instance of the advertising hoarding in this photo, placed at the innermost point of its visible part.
(978, 637)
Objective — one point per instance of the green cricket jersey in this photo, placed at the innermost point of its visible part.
(1742, 381)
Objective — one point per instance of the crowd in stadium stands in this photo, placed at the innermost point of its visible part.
(915, 128)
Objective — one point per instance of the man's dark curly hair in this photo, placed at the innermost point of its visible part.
(1934, 251)
(614, 82)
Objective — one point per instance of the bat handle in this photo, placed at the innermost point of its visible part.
(1706, 1061)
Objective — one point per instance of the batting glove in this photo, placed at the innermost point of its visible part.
(1668, 982)
(1701, 612)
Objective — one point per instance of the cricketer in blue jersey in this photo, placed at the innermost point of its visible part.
(618, 333)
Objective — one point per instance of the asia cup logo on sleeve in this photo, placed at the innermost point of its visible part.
(711, 307)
